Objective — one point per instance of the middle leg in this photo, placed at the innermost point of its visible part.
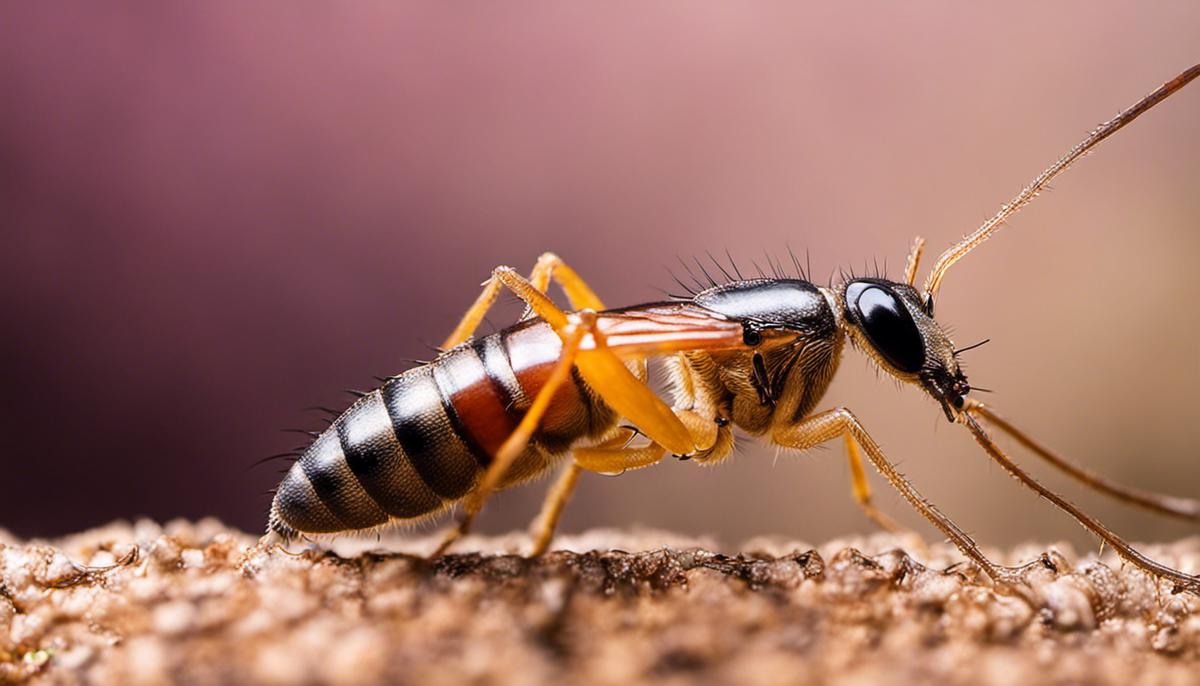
(862, 490)
(613, 456)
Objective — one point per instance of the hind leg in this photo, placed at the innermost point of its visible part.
(549, 267)
(542, 530)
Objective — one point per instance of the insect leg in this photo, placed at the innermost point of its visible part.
(862, 490)
(552, 508)
(516, 443)
(571, 328)
(1126, 551)
(585, 349)
(611, 456)
(1173, 506)
(829, 425)
(615, 456)
(474, 315)
(549, 266)
(606, 374)
(579, 294)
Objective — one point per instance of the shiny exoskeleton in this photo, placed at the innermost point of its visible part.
(419, 443)
(751, 354)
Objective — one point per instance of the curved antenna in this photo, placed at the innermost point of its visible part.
(1108, 128)
(914, 261)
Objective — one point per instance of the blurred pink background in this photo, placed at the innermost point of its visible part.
(216, 214)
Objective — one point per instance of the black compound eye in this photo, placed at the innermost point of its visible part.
(888, 326)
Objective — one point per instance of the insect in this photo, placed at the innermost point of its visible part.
(569, 387)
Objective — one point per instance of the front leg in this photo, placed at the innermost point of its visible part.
(713, 435)
(840, 422)
(704, 412)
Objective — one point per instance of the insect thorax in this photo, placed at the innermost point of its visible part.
(778, 380)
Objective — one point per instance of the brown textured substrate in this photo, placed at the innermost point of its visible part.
(195, 603)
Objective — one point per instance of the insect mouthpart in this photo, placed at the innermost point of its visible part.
(950, 390)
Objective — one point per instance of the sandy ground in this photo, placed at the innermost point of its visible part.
(198, 604)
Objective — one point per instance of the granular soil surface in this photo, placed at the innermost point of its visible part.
(200, 603)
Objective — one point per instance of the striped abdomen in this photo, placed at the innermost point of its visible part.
(420, 443)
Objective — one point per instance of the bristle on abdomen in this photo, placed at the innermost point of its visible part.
(420, 443)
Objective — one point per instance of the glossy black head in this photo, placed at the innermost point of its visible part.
(891, 323)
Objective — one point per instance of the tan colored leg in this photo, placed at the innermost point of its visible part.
(572, 328)
(1173, 506)
(579, 294)
(515, 444)
(604, 371)
(609, 457)
(827, 426)
(632, 399)
(470, 321)
(862, 490)
(702, 429)
(552, 509)
(549, 266)
(614, 458)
